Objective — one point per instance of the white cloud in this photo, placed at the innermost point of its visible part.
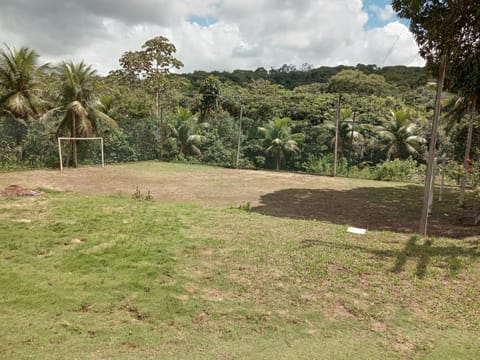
(385, 14)
(248, 33)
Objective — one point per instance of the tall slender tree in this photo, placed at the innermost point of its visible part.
(150, 66)
(210, 92)
(445, 30)
(81, 111)
(350, 137)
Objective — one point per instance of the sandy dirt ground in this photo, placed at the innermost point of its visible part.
(368, 204)
(211, 187)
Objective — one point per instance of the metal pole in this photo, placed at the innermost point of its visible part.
(103, 159)
(60, 154)
(429, 180)
(337, 123)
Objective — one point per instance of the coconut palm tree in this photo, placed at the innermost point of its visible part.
(19, 90)
(280, 140)
(184, 130)
(400, 136)
(18, 82)
(350, 137)
(81, 111)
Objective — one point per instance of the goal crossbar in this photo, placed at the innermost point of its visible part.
(78, 138)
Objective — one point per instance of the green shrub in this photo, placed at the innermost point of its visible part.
(324, 165)
(118, 149)
(453, 172)
(399, 170)
(363, 170)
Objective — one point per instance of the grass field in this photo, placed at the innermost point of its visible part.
(226, 264)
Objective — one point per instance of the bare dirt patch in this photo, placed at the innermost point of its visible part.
(76, 241)
(17, 190)
(214, 295)
(379, 327)
(340, 310)
(169, 183)
(372, 205)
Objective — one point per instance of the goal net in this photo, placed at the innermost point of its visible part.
(60, 155)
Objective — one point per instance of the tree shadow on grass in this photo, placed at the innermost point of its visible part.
(395, 208)
(422, 251)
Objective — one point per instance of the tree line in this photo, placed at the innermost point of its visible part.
(290, 77)
(145, 111)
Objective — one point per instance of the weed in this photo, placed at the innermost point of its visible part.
(137, 194)
(148, 196)
(140, 196)
(246, 206)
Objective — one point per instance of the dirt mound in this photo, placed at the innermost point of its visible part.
(17, 190)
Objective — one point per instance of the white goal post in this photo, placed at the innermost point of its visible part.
(78, 138)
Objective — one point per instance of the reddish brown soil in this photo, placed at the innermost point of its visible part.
(17, 190)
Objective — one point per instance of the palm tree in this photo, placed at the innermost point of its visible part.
(81, 111)
(280, 140)
(19, 98)
(184, 131)
(18, 82)
(350, 138)
(400, 136)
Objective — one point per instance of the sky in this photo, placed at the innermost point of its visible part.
(212, 34)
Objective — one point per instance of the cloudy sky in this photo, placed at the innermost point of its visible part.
(212, 34)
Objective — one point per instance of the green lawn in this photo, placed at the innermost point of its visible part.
(99, 276)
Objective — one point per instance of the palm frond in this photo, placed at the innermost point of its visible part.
(196, 139)
(416, 139)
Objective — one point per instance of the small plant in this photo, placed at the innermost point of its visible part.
(137, 194)
(246, 206)
(140, 196)
(148, 196)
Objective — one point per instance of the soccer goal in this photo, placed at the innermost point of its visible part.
(60, 139)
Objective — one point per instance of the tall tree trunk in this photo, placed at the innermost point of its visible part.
(337, 124)
(237, 161)
(351, 144)
(74, 142)
(473, 108)
(429, 178)
(162, 135)
(157, 102)
(180, 149)
(159, 116)
(19, 129)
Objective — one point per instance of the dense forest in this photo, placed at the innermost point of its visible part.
(281, 118)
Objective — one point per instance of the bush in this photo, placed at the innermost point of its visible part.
(324, 165)
(117, 148)
(219, 154)
(363, 170)
(8, 157)
(453, 172)
(399, 170)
